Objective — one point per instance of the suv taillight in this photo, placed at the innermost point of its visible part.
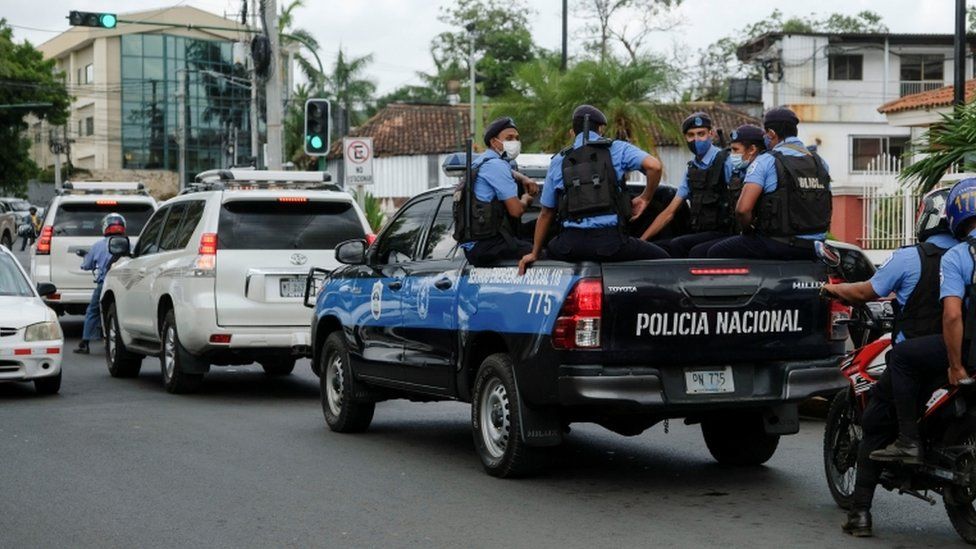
(578, 324)
(839, 315)
(44, 240)
(207, 253)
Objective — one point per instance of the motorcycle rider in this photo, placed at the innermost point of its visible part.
(913, 364)
(912, 274)
(98, 259)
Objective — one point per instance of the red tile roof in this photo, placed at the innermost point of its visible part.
(941, 97)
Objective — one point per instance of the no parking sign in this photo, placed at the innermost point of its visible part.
(357, 154)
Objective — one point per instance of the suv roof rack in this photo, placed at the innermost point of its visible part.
(247, 179)
(102, 187)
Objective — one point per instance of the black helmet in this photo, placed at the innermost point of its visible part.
(931, 216)
(113, 223)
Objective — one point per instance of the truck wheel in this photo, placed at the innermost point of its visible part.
(739, 439)
(174, 359)
(496, 421)
(281, 367)
(343, 413)
(120, 361)
(48, 385)
(842, 436)
(7, 242)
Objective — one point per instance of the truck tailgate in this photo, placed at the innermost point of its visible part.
(715, 311)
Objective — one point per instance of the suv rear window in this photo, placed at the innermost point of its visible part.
(268, 225)
(85, 219)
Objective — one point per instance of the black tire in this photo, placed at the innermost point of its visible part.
(344, 413)
(739, 438)
(49, 385)
(174, 360)
(842, 436)
(7, 241)
(282, 367)
(496, 421)
(959, 500)
(120, 361)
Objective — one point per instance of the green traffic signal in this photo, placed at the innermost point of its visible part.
(108, 20)
(92, 19)
(317, 137)
(315, 141)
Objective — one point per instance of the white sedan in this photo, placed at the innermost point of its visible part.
(30, 336)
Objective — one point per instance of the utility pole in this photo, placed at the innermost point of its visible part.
(56, 144)
(181, 123)
(959, 59)
(272, 95)
(471, 77)
(562, 63)
(255, 141)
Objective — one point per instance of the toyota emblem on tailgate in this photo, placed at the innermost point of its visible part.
(298, 259)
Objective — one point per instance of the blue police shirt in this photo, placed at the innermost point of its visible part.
(97, 259)
(762, 172)
(957, 270)
(625, 158)
(900, 273)
(495, 180)
(703, 163)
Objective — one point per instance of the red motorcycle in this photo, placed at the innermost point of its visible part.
(947, 425)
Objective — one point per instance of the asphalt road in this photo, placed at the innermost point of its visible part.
(249, 462)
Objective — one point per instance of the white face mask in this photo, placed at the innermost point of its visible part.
(737, 160)
(512, 149)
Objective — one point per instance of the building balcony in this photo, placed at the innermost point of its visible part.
(909, 87)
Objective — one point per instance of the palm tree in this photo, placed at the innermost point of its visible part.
(349, 88)
(288, 36)
(947, 145)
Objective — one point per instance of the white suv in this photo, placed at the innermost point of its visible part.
(73, 222)
(218, 276)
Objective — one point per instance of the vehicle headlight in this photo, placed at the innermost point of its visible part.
(43, 331)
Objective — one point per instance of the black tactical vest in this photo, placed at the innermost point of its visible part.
(488, 219)
(969, 313)
(735, 191)
(922, 313)
(801, 203)
(590, 185)
(711, 209)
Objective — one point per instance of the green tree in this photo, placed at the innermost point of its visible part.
(294, 128)
(948, 145)
(350, 89)
(614, 21)
(25, 77)
(502, 42)
(289, 36)
(409, 94)
(543, 100)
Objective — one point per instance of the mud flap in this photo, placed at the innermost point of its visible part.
(540, 428)
(783, 419)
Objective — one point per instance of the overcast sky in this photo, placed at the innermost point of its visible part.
(398, 32)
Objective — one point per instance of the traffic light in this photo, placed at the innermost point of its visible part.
(92, 19)
(317, 127)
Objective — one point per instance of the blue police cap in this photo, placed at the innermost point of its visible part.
(597, 118)
(696, 120)
(497, 126)
(780, 114)
(747, 133)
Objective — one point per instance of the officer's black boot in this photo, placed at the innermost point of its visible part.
(858, 523)
(82, 348)
(905, 449)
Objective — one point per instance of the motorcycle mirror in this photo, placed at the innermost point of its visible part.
(826, 254)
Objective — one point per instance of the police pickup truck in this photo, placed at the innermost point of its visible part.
(734, 345)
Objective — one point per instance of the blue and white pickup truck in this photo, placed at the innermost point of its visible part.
(733, 345)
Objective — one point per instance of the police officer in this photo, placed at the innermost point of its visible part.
(719, 184)
(785, 203)
(497, 204)
(98, 259)
(912, 274)
(585, 186)
(915, 363)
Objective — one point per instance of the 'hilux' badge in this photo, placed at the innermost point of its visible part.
(815, 285)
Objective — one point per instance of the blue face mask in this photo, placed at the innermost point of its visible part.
(699, 148)
(768, 142)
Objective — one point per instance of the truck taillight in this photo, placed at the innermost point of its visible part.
(44, 240)
(840, 314)
(207, 253)
(578, 324)
(370, 238)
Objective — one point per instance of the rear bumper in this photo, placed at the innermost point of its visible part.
(72, 296)
(663, 390)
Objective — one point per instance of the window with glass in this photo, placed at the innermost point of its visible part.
(921, 73)
(90, 125)
(846, 67)
(89, 73)
(399, 241)
(866, 150)
(440, 238)
(217, 100)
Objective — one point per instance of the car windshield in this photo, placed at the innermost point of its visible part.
(85, 219)
(12, 281)
(19, 205)
(312, 225)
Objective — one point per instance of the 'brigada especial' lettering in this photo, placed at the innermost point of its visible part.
(721, 323)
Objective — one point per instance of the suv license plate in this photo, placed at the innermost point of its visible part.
(295, 287)
(710, 381)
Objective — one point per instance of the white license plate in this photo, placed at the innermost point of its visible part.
(710, 381)
(295, 286)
